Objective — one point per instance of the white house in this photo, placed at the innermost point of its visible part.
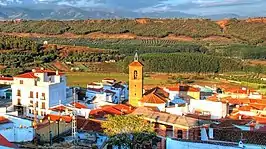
(40, 89)
(107, 91)
(6, 80)
(217, 110)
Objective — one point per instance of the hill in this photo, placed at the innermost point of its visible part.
(251, 31)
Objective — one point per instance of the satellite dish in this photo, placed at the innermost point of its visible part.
(240, 144)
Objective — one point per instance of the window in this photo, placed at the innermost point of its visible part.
(20, 81)
(36, 104)
(43, 95)
(31, 102)
(37, 95)
(135, 74)
(43, 105)
(19, 102)
(18, 93)
(179, 134)
(29, 111)
(41, 113)
(31, 94)
(35, 83)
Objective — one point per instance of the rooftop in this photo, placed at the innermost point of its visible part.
(4, 142)
(184, 88)
(168, 119)
(79, 105)
(3, 120)
(156, 96)
(30, 75)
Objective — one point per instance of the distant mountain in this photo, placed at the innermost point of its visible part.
(13, 9)
(53, 13)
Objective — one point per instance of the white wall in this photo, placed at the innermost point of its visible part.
(177, 110)
(217, 109)
(161, 107)
(54, 91)
(172, 94)
(174, 144)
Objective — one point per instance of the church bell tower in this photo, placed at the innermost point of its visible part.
(135, 81)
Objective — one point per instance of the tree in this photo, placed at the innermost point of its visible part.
(130, 131)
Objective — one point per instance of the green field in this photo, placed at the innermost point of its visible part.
(83, 78)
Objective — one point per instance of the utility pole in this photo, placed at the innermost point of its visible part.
(74, 123)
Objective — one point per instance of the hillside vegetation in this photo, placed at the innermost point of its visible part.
(251, 32)
(159, 54)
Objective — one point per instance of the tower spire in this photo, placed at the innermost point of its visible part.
(136, 57)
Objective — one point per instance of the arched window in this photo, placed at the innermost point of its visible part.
(135, 74)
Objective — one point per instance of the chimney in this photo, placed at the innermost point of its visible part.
(56, 72)
(33, 70)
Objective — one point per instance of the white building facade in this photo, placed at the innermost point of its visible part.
(39, 90)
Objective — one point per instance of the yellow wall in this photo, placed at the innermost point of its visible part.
(195, 95)
(135, 85)
(44, 132)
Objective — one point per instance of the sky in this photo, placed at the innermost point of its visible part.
(199, 7)
(206, 7)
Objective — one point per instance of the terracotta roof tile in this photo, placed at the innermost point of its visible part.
(59, 108)
(136, 63)
(28, 75)
(7, 78)
(152, 98)
(54, 117)
(3, 120)
(260, 120)
(184, 88)
(79, 105)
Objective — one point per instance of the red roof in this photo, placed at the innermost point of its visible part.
(136, 63)
(3, 120)
(237, 90)
(89, 124)
(7, 78)
(54, 117)
(245, 108)
(260, 120)
(6, 143)
(184, 88)
(235, 100)
(79, 105)
(28, 75)
(118, 109)
(49, 72)
(59, 108)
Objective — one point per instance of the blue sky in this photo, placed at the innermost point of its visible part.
(206, 7)
(199, 7)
